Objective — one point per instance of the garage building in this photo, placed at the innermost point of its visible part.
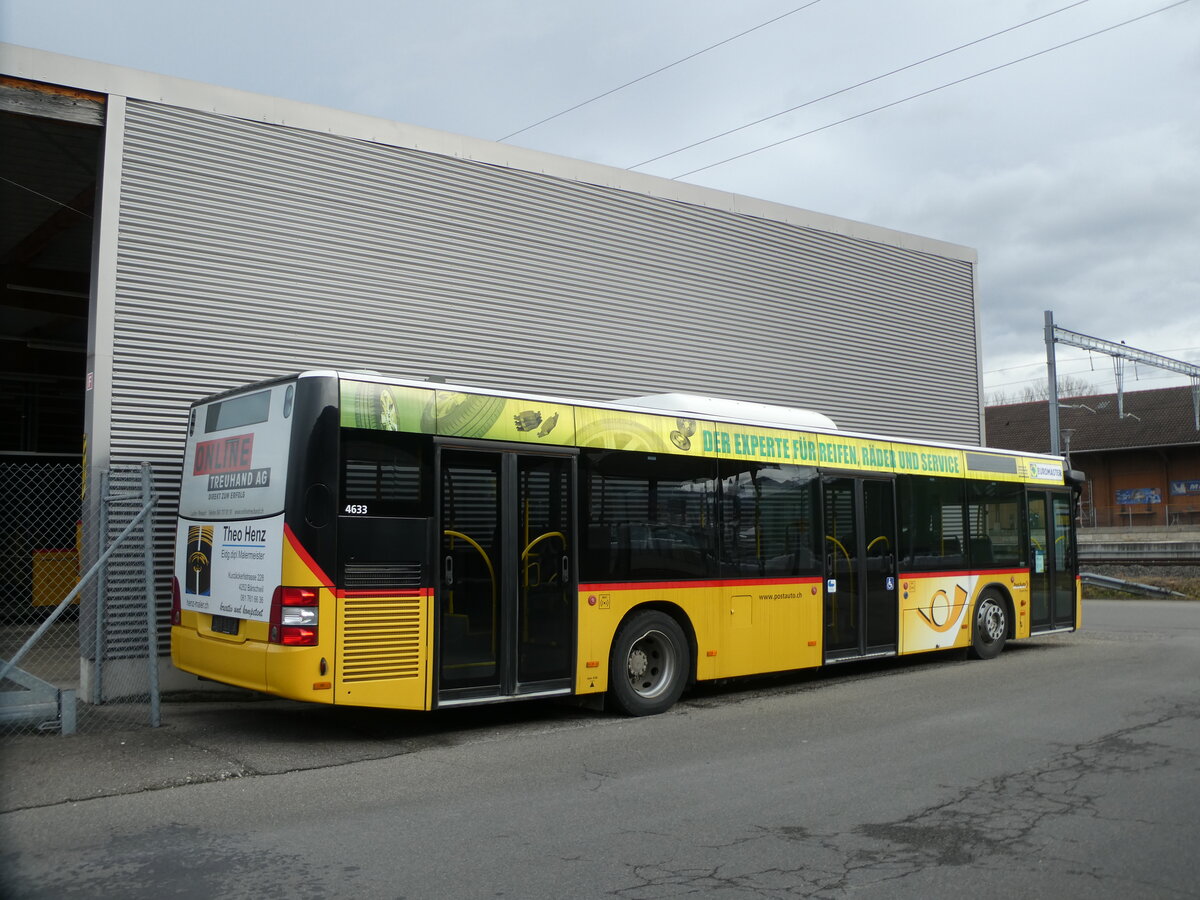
(163, 240)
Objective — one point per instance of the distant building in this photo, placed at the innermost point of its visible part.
(1142, 469)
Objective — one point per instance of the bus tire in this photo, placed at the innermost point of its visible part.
(990, 626)
(648, 666)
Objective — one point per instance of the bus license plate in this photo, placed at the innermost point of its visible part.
(225, 624)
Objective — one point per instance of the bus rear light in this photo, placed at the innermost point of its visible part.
(299, 596)
(294, 616)
(176, 603)
(295, 636)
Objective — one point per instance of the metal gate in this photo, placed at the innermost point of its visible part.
(78, 629)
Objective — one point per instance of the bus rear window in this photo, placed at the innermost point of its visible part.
(238, 412)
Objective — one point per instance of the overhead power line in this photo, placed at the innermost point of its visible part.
(853, 87)
(932, 90)
(1094, 377)
(677, 62)
(1040, 364)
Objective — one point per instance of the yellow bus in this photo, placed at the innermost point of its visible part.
(355, 539)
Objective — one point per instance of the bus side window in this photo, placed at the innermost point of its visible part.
(767, 520)
(995, 518)
(932, 524)
(649, 516)
(383, 474)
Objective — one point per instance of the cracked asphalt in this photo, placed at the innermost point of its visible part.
(1068, 767)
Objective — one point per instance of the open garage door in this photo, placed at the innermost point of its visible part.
(50, 145)
(51, 140)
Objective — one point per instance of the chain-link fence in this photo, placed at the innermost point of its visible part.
(78, 630)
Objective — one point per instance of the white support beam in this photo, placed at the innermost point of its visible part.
(1123, 351)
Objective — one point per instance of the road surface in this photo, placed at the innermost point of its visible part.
(1067, 767)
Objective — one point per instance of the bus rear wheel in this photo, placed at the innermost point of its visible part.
(649, 664)
(991, 626)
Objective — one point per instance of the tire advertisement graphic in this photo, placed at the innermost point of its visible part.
(382, 407)
(385, 407)
(500, 419)
(461, 415)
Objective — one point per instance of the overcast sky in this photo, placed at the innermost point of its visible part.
(1075, 174)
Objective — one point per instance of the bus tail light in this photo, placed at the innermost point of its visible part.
(176, 603)
(294, 616)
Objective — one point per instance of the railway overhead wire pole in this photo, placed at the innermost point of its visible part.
(1119, 353)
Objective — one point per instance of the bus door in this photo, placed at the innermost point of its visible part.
(507, 585)
(861, 611)
(1051, 561)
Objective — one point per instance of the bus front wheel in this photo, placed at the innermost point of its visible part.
(991, 626)
(648, 666)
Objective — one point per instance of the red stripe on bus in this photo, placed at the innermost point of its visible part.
(305, 557)
(730, 582)
(343, 593)
(708, 583)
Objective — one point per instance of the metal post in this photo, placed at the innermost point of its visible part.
(151, 599)
(1119, 367)
(67, 712)
(1052, 382)
(101, 593)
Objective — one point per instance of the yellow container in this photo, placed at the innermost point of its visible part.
(55, 574)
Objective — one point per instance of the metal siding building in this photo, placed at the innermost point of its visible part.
(246, 250)
(239, 237)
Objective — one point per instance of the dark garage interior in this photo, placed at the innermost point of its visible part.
(50, 144)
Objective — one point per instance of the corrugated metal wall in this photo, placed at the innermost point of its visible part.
(247, 250)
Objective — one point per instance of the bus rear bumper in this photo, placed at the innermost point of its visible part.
(241, 665)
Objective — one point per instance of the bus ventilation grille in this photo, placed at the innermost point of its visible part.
(384, 577)
(381, 638)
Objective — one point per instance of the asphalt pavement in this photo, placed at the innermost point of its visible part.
(226, 734)
(222, 735)
(1066, 767)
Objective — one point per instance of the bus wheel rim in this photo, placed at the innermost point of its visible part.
(991, 621)
(651, 664)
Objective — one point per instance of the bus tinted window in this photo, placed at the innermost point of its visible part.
(767, 524)
(238, 412)
(994, 511)
(932, 528)
(649, 516)
(381, 473)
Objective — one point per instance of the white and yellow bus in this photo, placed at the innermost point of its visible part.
(354, 539)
